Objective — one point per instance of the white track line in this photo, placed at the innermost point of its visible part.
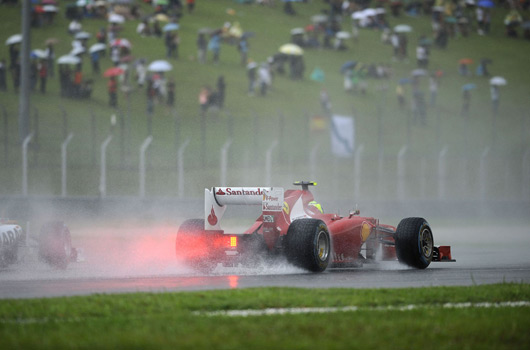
(311, 310)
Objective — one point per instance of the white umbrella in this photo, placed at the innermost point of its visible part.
(297, 31)
(82, 35)
(39, 53)
(68, 59)
(358, 15)
(77, 51)
(499, 81)
(116, 18)
(291, 49)
(370, 12)
(121, 43)
(50, 8)
(380, 10)
(319, 18)
(14, 39)
(402, 28)
(159, 66)
(97, 47)
(343, 35)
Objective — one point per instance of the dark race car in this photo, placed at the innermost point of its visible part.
(293, 224)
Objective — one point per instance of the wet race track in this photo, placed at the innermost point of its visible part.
(143, 260)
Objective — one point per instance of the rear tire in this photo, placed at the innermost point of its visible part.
(414, 242)
(55, 244)
(193, 247)
(308, 244)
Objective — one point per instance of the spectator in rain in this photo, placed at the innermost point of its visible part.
(191, 5)
(74, 27)
(433, 88)
(170, 44)
(13, 55)
(112, 86)
(3, 75)
(325, 102)
(494, 93)
(43, 75)
(221, 91)
(78, 79)
(101, 36)
(242, 46)
(50, 57)
(204, 98)
(157, 31)
(252, 68)
(143, 28)
(115, 55)
(141, 72)
(264, 78)
(202, 45)
(400, 93)
(466, 99)
(171, 92)
(214, 45)
(150, 91)
(422, 56)
(33, 74)
(94, 58)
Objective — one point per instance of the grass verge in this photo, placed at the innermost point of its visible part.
(170, 320)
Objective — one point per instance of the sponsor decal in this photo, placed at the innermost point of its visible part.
(240, 192)
(212, 218)
(286, 208)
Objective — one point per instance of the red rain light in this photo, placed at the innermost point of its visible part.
(233, 241)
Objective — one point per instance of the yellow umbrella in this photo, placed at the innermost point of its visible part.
(291, 49)
(162, 18)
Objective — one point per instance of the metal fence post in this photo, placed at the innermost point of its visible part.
(526, 175)
(25, 164)
(143, 149)
(63, 164)
(103, 173)
(180, 168)
(224, 161)
(268, 163)
(442, 172)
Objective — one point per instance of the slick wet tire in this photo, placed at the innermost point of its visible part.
(308, 244)
(414, 242)
(55, 244)
(193, 247)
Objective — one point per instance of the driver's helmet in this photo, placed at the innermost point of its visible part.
(317, 206)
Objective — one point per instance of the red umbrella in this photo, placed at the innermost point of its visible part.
(113, 72)
(465, 61)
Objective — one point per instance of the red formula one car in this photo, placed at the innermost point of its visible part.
(293, 225)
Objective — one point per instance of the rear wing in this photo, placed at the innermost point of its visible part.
(217, 199)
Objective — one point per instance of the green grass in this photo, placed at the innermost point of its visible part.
(178, 320)
(256, 119)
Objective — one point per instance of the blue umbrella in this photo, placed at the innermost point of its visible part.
(318, 75)
(347, 66)
(469, 86)
(486, 4)
(170, 26)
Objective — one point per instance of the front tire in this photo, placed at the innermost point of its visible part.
(55, 244)
(414, 242)
(308, 244)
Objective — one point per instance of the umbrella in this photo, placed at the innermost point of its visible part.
(162, 18)
(419, 73)
(358, 15)
(14, 39)
(317, 75)
(403, 81)
(348, 65)
(159, 66)
(77, 51)
(486, 4)
(297, 31)
(380, 10)
(402, 28)
(113, 72)
(82, 35)
(499, 81)
(343, 35)
(465, 61)
(121, 43)
(319, 18)
(116, 18)
(51, 41)
(425, 42)
(205, 30)
(50, 8)
(291, 49)
(369, 12)
(467, 87)
(170, 26)
(68, 59)
(37, 53)
(126, 59)
(97, 47)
